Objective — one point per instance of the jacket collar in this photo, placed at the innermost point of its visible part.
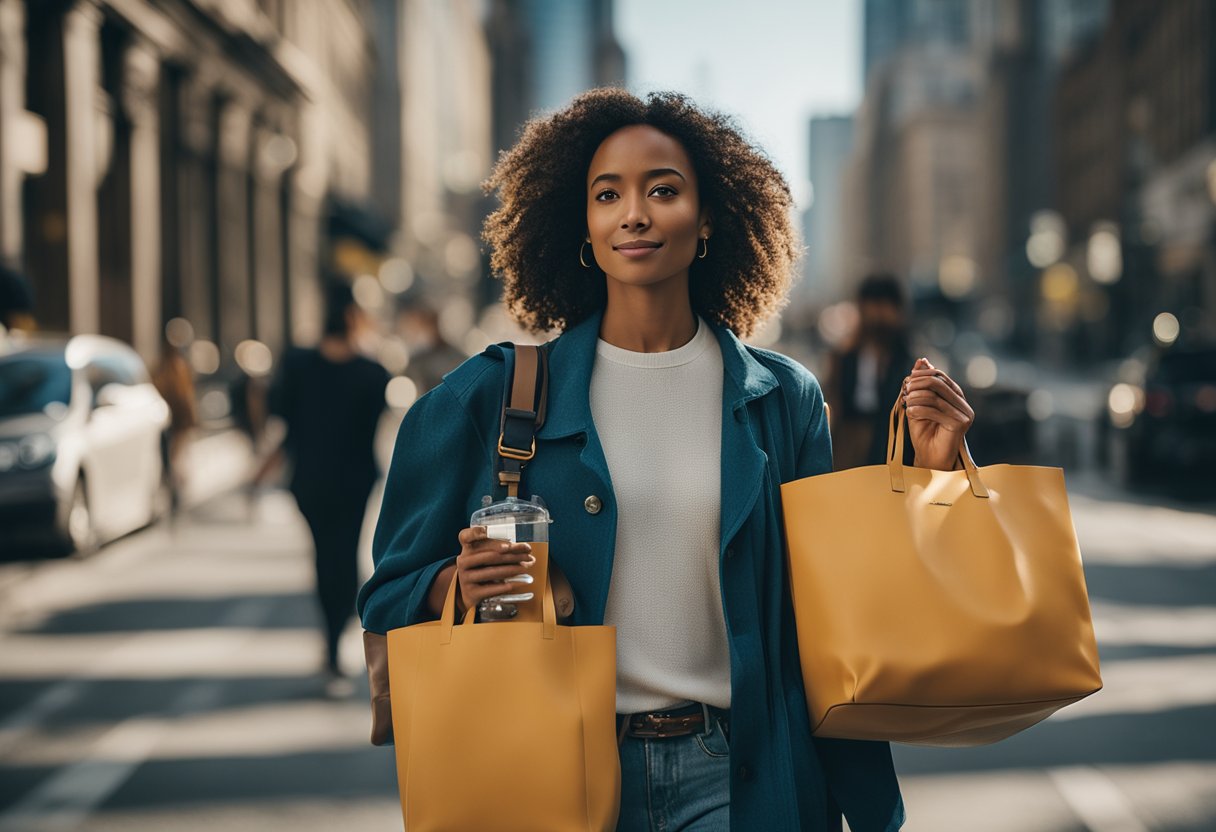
(572, 355)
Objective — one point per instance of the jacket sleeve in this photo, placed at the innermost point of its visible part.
(438, 471)
(815, 450)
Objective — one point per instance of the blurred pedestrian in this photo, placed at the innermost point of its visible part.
(864, 379)
(174, 378)
(16, 300)
(430, 354)
(331, 398)
(651, 232)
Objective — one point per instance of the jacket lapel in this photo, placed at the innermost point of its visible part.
(743, 460)
(571, 360)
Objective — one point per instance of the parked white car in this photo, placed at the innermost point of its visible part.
(80, 443)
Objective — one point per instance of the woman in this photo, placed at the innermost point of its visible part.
(660, 458)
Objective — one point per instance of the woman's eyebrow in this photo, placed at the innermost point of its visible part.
(650, 174)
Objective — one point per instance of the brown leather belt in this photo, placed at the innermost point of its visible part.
(674, 722)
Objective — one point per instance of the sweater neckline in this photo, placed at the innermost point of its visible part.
(652, 360)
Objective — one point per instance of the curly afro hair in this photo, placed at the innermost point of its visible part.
(537, 229)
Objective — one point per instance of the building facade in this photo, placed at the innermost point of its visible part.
(192, 155)
(831, 139)
(1135, 116)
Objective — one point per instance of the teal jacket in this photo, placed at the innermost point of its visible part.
(774, 429)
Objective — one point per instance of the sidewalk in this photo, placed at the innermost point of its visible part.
(171, 683)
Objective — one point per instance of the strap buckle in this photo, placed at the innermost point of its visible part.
(514, 453)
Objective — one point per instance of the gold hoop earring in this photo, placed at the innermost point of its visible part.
(704, 248)
(583, 262)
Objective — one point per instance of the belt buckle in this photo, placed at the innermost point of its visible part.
(660, 727)
(652, 727)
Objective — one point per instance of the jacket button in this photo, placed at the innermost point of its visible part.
(730, 551)
(592, 504)
(580, 440)
(745, 773)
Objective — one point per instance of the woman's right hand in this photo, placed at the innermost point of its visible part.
(484, 564)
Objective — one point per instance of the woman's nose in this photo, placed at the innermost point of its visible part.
(635, 215)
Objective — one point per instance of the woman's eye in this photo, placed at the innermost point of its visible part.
(670, 190)
(602, 193)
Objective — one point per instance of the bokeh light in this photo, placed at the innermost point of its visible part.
(1165, 329)
(401, 392)
(254, 358)
(204, 357)
(368, 292)
(981, 371)
(179, 332)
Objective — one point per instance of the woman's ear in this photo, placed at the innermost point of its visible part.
(706, 227)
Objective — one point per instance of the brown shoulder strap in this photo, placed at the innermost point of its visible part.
(523, 413)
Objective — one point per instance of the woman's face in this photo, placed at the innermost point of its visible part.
(643, 209)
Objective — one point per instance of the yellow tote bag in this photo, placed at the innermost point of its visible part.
(506, 725)
(937, 607)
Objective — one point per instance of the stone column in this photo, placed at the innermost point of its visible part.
(195, 206)
(274, 153)
(22, 144)
(235, 122)
(140, 94)
(87, 147)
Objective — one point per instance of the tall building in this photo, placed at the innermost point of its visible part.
(1022, 44)
(1135, 117)
(953, 152)
(911, 201)
(831, 140)
(890, 26)
(446, 133)
(544, 53)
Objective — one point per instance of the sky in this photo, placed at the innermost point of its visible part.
(771, 63)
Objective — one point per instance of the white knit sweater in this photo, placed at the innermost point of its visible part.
(659, 419)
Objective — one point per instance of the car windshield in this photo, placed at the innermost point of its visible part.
(29, 382)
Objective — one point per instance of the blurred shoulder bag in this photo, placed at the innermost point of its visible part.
(935, 607)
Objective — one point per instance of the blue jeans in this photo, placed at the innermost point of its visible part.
(676, 784)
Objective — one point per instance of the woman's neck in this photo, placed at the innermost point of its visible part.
(648, 318)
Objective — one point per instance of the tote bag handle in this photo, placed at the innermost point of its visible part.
(448, 620)
(895, 453)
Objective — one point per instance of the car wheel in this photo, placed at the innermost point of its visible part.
(81, 535)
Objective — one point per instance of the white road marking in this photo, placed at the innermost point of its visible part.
(1098, 802)
(64, 800)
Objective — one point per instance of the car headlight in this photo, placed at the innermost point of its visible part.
(35, 450)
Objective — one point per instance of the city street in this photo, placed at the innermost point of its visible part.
(170, 683)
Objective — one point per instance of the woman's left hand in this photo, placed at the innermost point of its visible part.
(938, 416)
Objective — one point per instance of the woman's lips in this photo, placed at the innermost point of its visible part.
(641, 251)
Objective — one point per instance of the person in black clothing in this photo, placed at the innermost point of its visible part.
(864, 379)
(331, 399)
(16, 300)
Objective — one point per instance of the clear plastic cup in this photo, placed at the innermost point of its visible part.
(517, 521)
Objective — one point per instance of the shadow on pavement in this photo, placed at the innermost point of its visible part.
(1167, 585)
(1166, 735)
(290, 611)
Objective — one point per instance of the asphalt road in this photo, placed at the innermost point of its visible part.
(171, 683)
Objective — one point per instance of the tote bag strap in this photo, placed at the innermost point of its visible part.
(523, 413)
